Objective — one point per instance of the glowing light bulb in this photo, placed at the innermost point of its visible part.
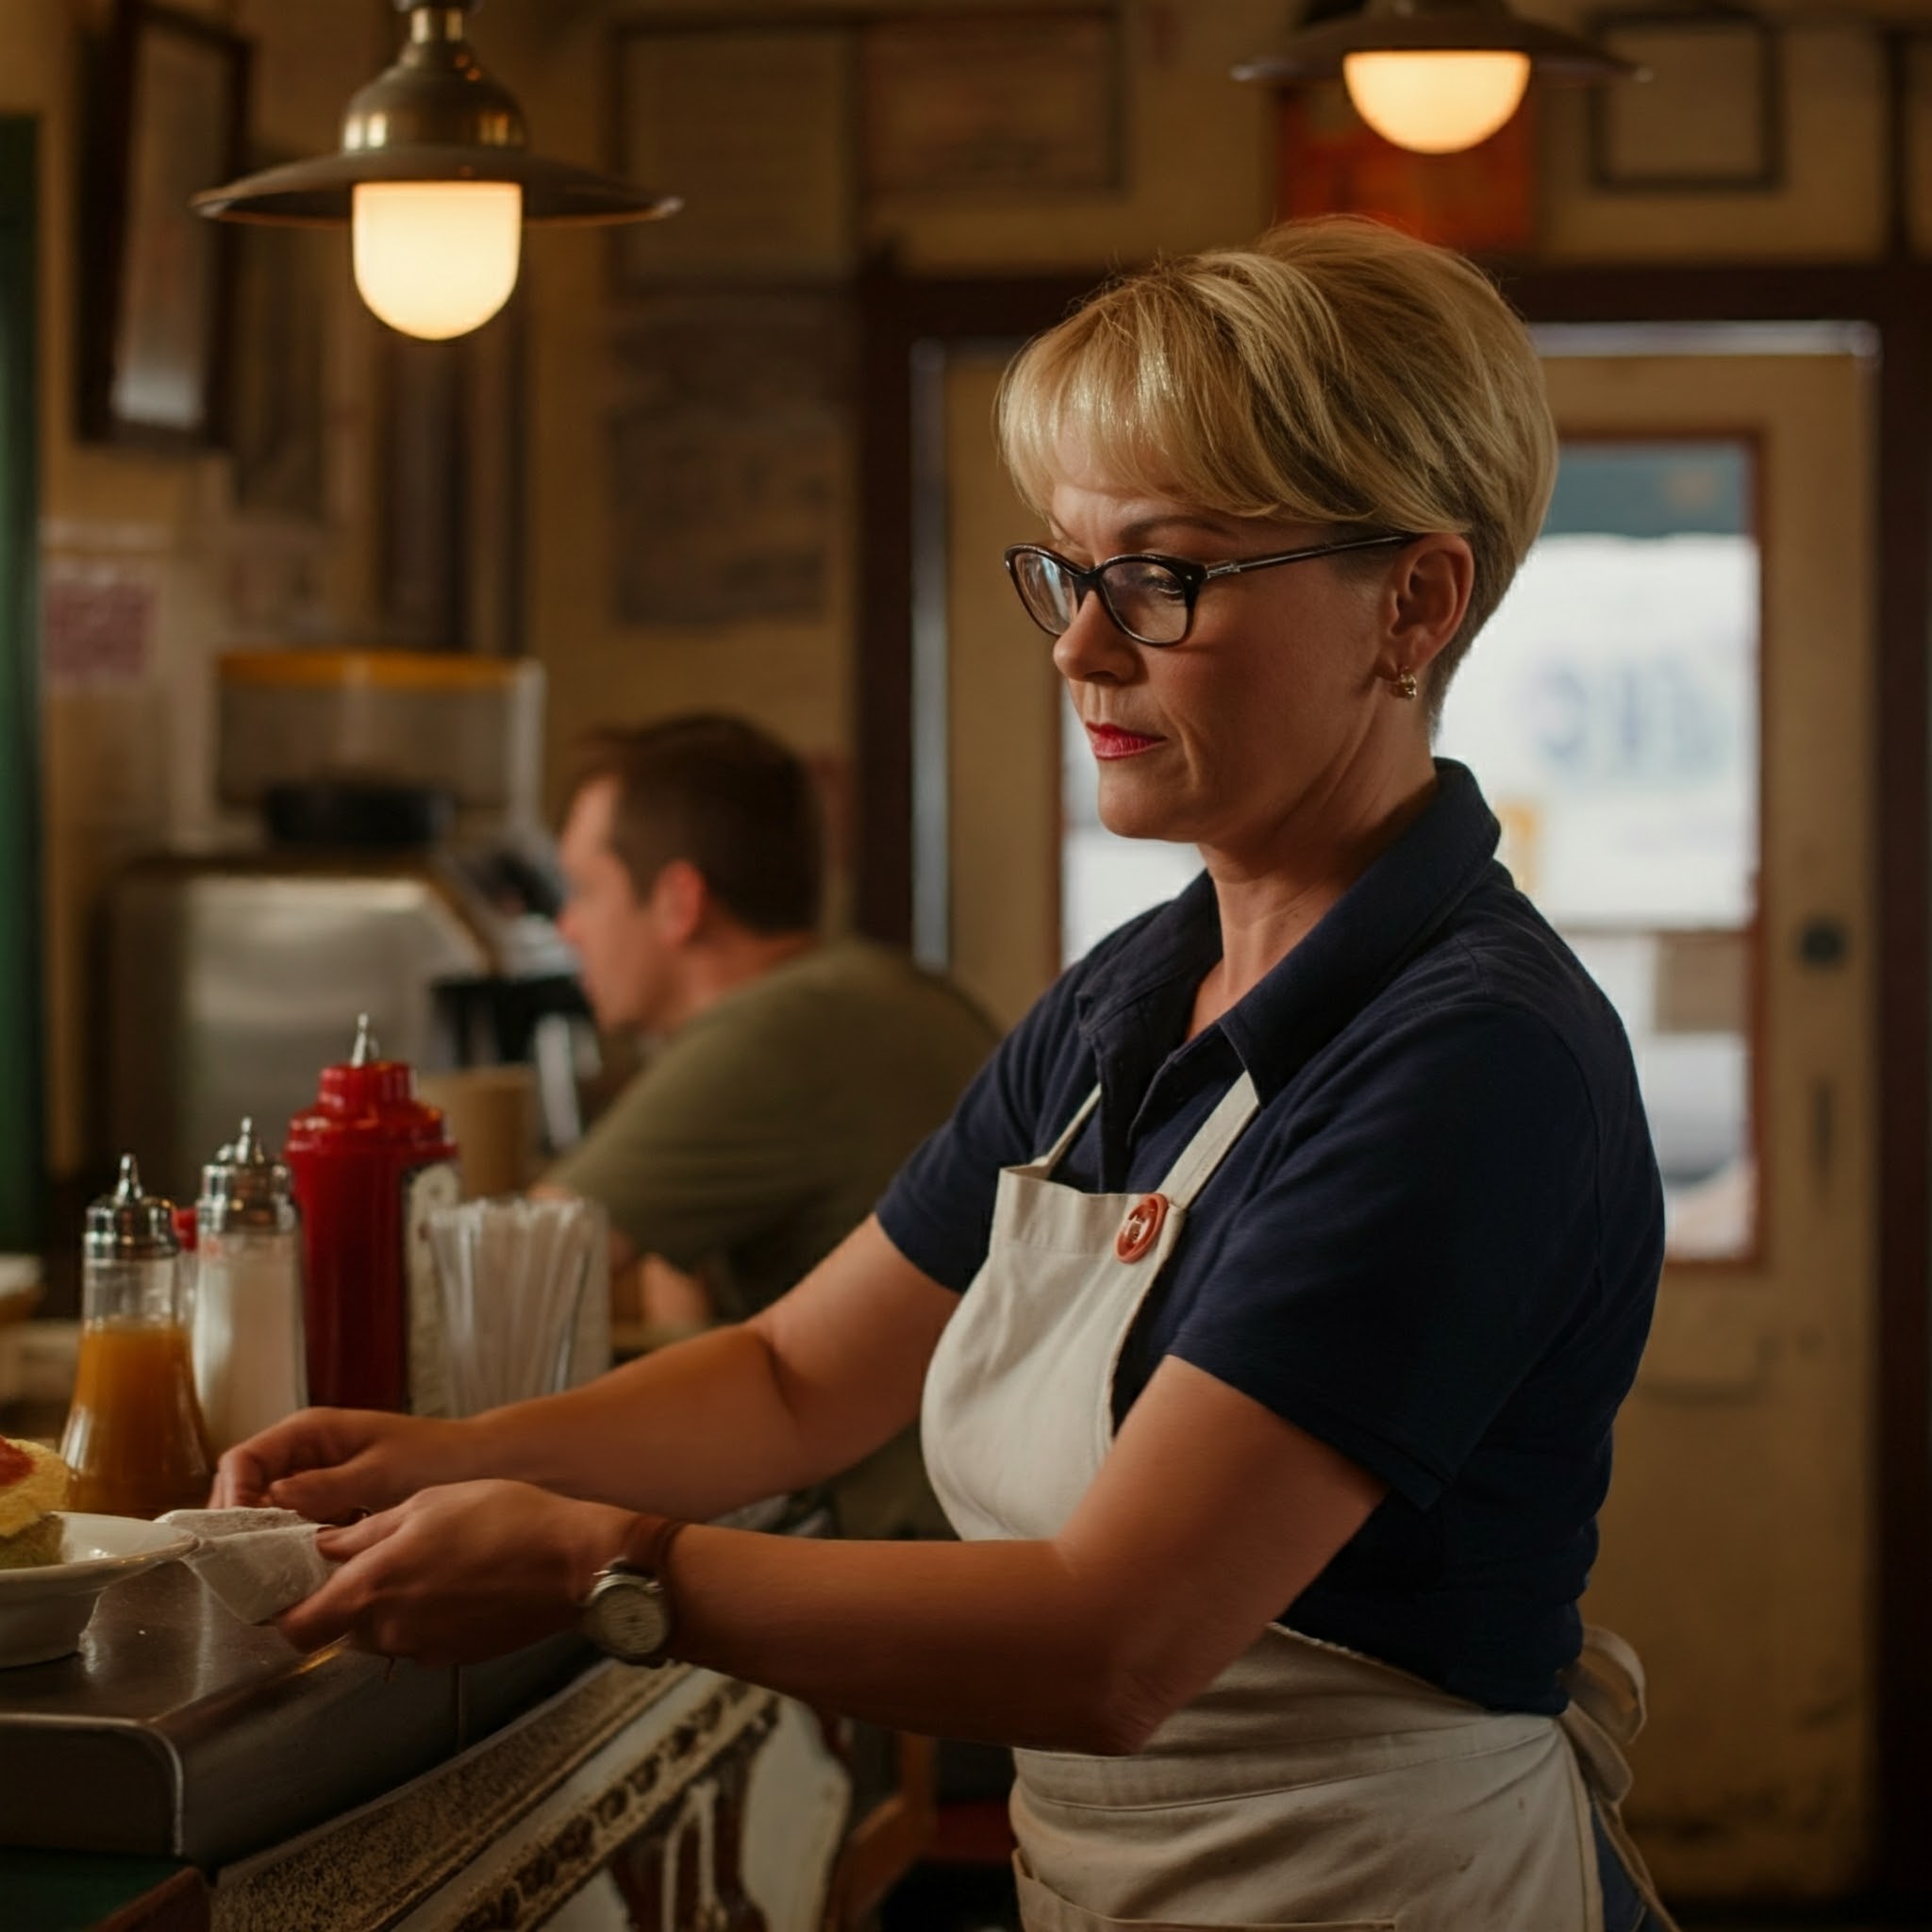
(1436, 103)
(436, 259)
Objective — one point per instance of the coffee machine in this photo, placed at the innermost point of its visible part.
(400, 869)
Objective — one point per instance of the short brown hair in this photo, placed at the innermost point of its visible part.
(724, 796)
(1338, 372)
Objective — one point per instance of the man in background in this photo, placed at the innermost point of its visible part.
(788, 1075)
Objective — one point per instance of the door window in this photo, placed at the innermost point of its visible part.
(1611, 711)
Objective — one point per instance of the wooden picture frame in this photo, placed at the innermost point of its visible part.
(1710, 118)
(990, 105)
(173, 106)
(751, 122)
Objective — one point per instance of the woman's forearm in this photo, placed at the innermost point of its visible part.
(692, 1430)
(1004, 1642)
(797, 1394)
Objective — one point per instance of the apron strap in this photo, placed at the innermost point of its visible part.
(1605, 1713)
(1207, 1149)
(1057, 1152)
(1200, 1156)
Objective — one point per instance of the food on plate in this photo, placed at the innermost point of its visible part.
(33, 1484)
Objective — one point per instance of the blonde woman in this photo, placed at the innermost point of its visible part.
(1271, 1293)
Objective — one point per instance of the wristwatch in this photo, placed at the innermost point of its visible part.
(627, 1612)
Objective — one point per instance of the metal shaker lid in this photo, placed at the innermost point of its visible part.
(130, 1225)
(246, 1185)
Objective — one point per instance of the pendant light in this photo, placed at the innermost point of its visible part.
(1436, 76)
(436, 181)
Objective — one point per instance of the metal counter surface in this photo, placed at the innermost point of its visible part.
(176, 1731)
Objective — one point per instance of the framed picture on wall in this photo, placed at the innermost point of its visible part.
(1709, 119)
(994, 104)
(752, 125)
(172, 108)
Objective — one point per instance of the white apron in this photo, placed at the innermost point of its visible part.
(1309, 1787)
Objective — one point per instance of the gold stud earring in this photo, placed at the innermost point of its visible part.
(1403, 684)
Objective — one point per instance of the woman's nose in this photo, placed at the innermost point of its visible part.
(1093, 645)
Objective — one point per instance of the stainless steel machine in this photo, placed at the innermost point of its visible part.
(402, 872)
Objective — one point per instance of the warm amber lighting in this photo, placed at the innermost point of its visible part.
(436, 259)
(1436, 103)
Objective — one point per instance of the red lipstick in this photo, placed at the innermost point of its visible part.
(1113, 741)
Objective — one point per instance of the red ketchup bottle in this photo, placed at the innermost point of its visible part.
(369, 1163)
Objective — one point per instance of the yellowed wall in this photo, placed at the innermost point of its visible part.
(1200, 171)
(129, 765)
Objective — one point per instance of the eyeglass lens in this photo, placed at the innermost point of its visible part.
(1145, 599)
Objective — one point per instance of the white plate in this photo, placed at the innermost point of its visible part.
(43, 1611)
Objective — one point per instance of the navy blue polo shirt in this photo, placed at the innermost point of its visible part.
(1436, 1246)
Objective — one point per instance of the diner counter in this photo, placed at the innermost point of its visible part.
(331, 1793)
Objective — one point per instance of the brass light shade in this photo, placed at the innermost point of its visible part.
(434, 116)
(1437, 27)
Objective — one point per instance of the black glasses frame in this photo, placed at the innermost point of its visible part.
(1192, 577)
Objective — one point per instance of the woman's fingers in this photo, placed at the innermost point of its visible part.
(330, 1495)
(344, 1540)
(458, 1572)
(312, 1441)
(327, 1614)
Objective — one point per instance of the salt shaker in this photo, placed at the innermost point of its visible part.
(248, 1341)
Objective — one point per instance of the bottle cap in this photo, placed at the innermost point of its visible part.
(246, 1185)
(130, 1225)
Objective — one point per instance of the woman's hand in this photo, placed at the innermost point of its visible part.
(328, 1463)
(457, 1574)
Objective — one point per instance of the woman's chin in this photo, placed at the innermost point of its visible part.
(1143, 818)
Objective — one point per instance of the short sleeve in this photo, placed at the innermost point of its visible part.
(709, 1145)
(1431, 1227)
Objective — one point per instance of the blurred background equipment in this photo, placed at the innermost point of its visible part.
(402, 872)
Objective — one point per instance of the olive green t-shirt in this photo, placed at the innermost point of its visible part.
(763, 1131)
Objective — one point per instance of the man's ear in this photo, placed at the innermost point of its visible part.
(1427, 599)
(679, 900)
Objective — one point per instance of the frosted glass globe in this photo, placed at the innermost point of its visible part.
(436, 259)
(1436, 103)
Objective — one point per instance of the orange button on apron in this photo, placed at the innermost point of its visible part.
(1141, 1229)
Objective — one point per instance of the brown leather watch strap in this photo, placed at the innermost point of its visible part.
(646, 1546)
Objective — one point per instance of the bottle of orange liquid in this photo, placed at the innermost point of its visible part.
(135, 1438)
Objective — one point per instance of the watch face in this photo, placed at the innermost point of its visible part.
(628, 1617)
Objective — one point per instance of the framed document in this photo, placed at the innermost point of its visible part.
(993, 103)
(751, 125)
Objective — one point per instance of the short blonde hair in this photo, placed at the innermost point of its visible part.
(1338, 372)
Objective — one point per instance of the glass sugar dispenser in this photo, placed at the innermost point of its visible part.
(135, 1438)
(249, 1352)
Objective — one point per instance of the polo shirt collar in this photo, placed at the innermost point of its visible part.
(1363, 940)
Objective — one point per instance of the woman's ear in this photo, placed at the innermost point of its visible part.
(1427, 598)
